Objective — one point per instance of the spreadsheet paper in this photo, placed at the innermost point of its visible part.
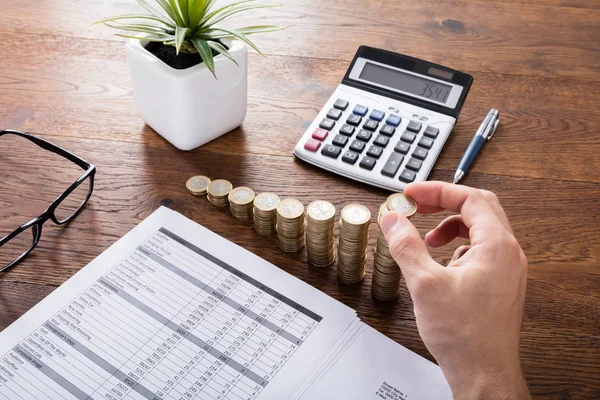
(173, 311)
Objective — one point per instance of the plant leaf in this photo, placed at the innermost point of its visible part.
(205, 53)
(197, 11)
(183, 9)
(235, 34)
(149, 8)
(221, 9)
(147, 39)
(151, 30)
(229, 13)
(180, 33)
(172, 13)
(218, 47)
(174, 5)
(135, 16)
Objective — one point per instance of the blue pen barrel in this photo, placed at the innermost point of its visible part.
(471, 153)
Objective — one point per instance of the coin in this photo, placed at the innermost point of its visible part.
(290, 225)
(321, 210)
(218, 192)
(320, 223)
(352, 245)
(402, 203)
(266, 201)
(356, 214)
(197, 184)
(385, 282)
(241, 202)
(290, 208)
(265, 213)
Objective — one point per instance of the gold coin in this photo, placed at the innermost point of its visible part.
(356, 214)
(290, 208)
(321, 210)
(266, 201)
(197, 184)
(241, 195)
(220, 187)
(402, 203)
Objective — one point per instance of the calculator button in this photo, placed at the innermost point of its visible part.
(426, 142)
(431, 132)
(331, 151)
(340, 140)
(393, 120)
(381, 140)
(392, 165)
(414, 126)
(334, 114)
(375, 151)
(420, 153)
(408, 176)
(312, 145)
(357, 146)
(408, 137)
(377, 115)
(341, 104)
(320, 134)
(414, 164)
(370, 125)
(361, 110)
(327, 124)
(387, 130)
(354, 120)
(363, 135)
(350, 157)
(368, 163)
(402, 147)
(347, 130)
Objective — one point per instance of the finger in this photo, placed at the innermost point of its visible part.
(477, 214)
(448, 230)
(459, 252)
(494, 202)
(408, 249)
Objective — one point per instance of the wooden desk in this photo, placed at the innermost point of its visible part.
(537, 62)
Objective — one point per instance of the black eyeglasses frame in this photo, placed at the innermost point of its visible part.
(36, 223)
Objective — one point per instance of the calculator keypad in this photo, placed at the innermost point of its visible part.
(373, 134)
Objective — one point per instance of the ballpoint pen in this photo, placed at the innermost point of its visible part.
(484, 133)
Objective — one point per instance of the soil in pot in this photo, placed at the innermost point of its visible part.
(168, 55)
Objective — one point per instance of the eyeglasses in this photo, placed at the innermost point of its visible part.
(19, 243)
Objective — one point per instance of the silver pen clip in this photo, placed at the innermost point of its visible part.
(491, 121)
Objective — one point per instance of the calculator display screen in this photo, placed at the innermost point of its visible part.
(413, 84)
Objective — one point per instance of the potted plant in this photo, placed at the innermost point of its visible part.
(188, 73)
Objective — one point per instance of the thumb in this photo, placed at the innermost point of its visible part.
(407, 247)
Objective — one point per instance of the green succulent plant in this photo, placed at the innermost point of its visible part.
(190, 26)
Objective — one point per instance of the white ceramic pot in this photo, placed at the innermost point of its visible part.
(189, 107)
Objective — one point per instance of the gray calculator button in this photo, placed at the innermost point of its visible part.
(375, 151)
(354, 120)
(357, 146)
(425, 142)
(402, 147)
(363, 135)
(414, 164)
(414, 126)
(368, 163)
(408, 137)
(347, 130)
(327, 124)
(408, 176)
(431, 132)
(331, 151)
(341, 104)
(350, 157)
(370, 125)
(420, 153)
(392, 165)
(334, 114)
(381, 140)
(387, 130)
(340, 140)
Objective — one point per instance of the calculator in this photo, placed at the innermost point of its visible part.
(387, 122)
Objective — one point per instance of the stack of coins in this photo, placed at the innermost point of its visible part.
(290, 225)
(265, 213)
(320, 220)
(218, 192)
(352, 247)
(386, 273)
(241, 200)
(198, 185)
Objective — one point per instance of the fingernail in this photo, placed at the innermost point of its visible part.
(388, 221)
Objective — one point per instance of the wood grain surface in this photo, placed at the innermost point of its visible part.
(538, 62)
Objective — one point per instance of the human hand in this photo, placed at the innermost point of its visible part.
(468, 313)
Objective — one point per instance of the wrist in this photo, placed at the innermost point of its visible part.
(492, 385)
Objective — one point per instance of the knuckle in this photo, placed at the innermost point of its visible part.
(402, 246)
(423, 284)
(489, 196)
